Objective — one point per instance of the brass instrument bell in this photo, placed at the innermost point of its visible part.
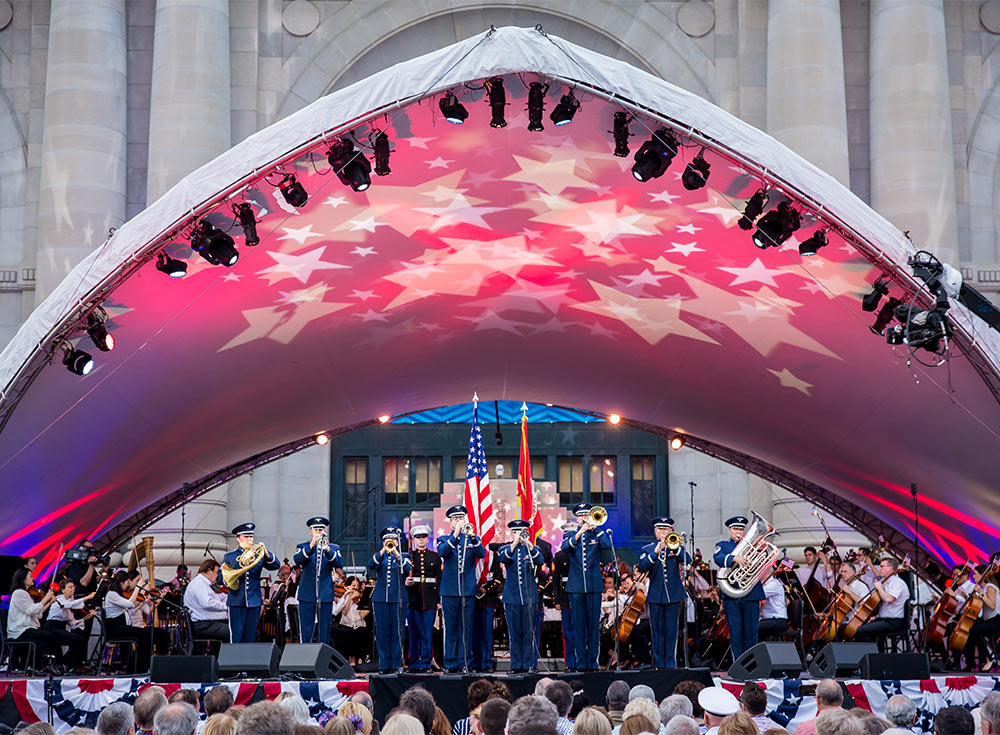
(597, 516)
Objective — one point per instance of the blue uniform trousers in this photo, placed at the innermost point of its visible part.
(586, 609)
(421, 623)
(519, 622)
(243, 624)
(457, 631)
(481, 653)
(663, 621)
(742, 616)
(307, 622)
(387, 642)
(567, 635)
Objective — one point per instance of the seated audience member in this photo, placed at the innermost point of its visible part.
(561, 695)
(37, 728)
(591, 721)
(641, 690)
(236, 711)
(477, 693)
(532, 715)
(580, 699)
(954, 721)
(690, 689)
(837, 721)
(617, 697)
(358, 715)
(299, 709)
(753, 700)
(718, 704)
(116, 719)
(400, 724)
(441, 725)
(340, 726)
(492, 718)
(541, 685)
(675, 704)
(636, 725)
(364, 699)
(219, 724)
(682, 725)
(307, 730)
(217, 700)
(989, 714)
(179, 718)
(874, 726)
(185, 695)
(265, 718)
(901, 711)
(829, 695)
(501, 691)
(643, 707)
(738, 724)
(420, 701)
(150, 701)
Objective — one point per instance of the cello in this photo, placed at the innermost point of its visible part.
(840, 608)
(947, 605)
(970, 611)
(870, 604)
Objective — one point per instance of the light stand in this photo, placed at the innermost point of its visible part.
(399, 606)
(687, 652)
(916, 558)
(615, 576)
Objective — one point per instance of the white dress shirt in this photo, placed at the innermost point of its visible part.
(987, 613)
(897, 588)
(60, 609)
(24, 613)
(804, 571)
(774, 600)
(860, 589)
(963, 590)
(350, 616)
(203, 603)
(116, 605)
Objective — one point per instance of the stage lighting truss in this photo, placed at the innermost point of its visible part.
(98, 330)
(248, 223)
(171, 266)
(382, 153)
(498, 101)
(654, 156)
(351, 166)
(754, 206)
(293, 192)
(213, 244)
(879, 289)
(621, 133)
(562, 114)
(695, 173)
(536, 105)
(812, 245)
(453, 110)
(76, 361)
(776, 226)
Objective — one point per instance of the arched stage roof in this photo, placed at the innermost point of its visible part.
(525, 265)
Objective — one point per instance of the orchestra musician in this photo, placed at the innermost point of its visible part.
(584, 586)
(821, 561)
(318, 558)
(742, 613)
(560, 577)
(350, 634)
(774, 608)
(665, 591)
(459, 552)
(520, 595)
(894, 593)
(390, 565)
(988, 625)
(245, 601)
(24, 618)
(63, 624)
(208, 609)
(422, 588)
(859, 590)
(121, 600)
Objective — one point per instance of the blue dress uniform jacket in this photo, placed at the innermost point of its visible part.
(311, 589)
(389, 573)
(665, 585)
(742, 613)
(585, 561)
(249, 594)
(521, 587)
(455, 548)
(724, 558)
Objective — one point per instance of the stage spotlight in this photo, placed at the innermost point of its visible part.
(77, 361)
(293, 192)
(536, 105)
(384, 418)
(885, 315)
(244, 212)
(919, 327)
(351, 166)
(498, 100)
(562, 114)
(879, 289)
(755, 205)
(382, 152)
(655, 155)
(99, 333)
(322, 438)
(695, 174)
(814, 243)
(214, 245)
(453, 110)
(171, 266)
(614, 419)
(622, 133)
(676, 441)
(776, 226)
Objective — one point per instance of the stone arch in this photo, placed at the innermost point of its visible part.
(337, 54)
(983, 163)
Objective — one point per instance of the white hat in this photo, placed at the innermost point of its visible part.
(421, 530)
(718, 701)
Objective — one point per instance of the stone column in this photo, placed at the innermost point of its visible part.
(82, 188)
(806, 105)
(912, 161)
(189, 112)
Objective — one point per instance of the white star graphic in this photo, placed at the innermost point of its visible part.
(230, 276)
(416, 142)
(363, 295)
(790, 381)
(300, 266)
(373, 316)
(725, 211)
(645, 278)
(685, 248)
(335, 201)
(689, 229)
(368, 224)
(363, 251)
(300, 235)
(664, 196)
(755, 272)
(438, 163)
(531, 234)
(313, 293)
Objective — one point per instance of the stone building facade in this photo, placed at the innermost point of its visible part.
(105, 104)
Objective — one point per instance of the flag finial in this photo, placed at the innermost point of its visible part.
(475, 397)
(524, 408)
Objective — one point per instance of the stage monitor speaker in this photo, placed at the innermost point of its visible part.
(840, 659)
(769, 660)
(183, 669)
(314, 661)
(251, 660)
(896, 666)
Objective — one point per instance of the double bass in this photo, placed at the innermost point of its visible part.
(970, 611)
(947, 605)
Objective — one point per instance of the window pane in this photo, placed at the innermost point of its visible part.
(458, 468)
(602, 480)
(570, 480)
(426, 479)
(356, 497)
(397, 481)
(538, 468)
(642, 496)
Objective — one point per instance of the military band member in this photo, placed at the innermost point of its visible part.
(422, 587)
(315, 593)
(665, 591)
(487, 600)
(742, 613)
(585, 586)
(245, 601)
(459, 552)
(390, 565)
(560, 576)
(520, 595)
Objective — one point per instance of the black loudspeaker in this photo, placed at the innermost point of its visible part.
(769, 660)
(314, 661)
(183, 669)
(251, 660)
(840, 659)
(896, 666)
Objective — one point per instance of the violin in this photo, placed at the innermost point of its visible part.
(970, 611)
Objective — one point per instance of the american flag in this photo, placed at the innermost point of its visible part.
(478, 498)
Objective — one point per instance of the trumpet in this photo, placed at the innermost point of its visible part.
(468, 529)
(324, 542)
(673, 541)
(597, 516)
(391, 544)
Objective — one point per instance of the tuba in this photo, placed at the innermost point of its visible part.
(597, 516)
(247, 560)
(761, 556)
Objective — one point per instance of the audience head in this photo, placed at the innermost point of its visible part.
(116, 719)
(236, 711)
(753, 699)
(900, 711)
(441, 724)
(342, 726)
(265, 718)
(874, 725)
(185, 695)
(590, 721)
(837, 722)
(542, 684)
(618, 692)
(479, 692)
(641, 690)
(359, 716)
(37, 728)
(644, 708)
(398, 724)
(178, 718)
(150, 701)
(990, 714)
(364, 699)
(493, 716)
(501, 691)
(954, 721)
(419, 701)
(307, 730)
(219, 724)
(300, 710)
(636, 725)
(561, 695)
(674, 705)
(683, 725)
(217, 700)
(738, 724)
(718, 703)
(532, 715)
(829, 694)
(690, 689)
(580, 699)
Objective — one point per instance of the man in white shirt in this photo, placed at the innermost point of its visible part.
(820, 561)
(891, 613)
(773, 610)
(209, 612)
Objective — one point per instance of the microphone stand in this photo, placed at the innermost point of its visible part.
(616, 577)
(916, 558)
(399, 605)
(461, 599)
(687, 652)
